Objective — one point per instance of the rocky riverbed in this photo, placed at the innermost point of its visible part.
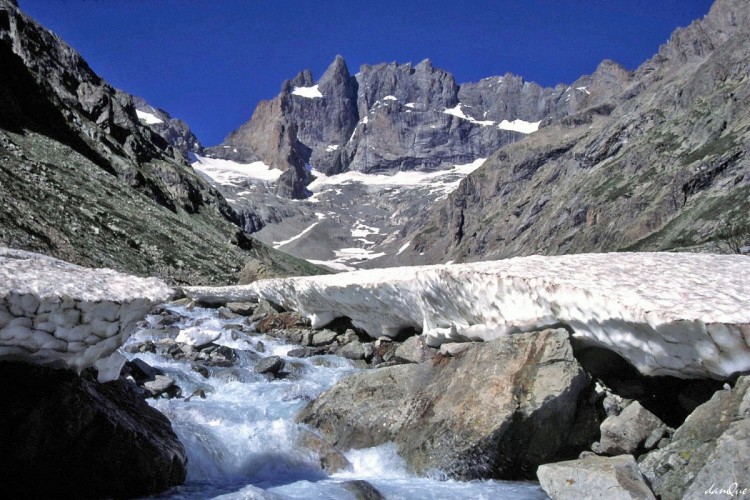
(264, 401)
(530, 406)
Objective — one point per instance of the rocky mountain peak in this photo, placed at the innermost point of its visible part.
(337, 74)
(694, 42)
(424, 65)
(303, 79)
(424, 85)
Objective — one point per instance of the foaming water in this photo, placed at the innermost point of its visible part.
(241, 440)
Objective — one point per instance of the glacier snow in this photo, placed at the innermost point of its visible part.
(53, 312)
(679, 314)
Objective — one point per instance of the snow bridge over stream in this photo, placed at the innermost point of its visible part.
(679, 314)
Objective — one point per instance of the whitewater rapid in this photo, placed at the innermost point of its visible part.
(241, 440)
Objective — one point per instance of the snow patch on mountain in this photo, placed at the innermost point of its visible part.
(403, 248)
(230, 172)
(308, 92)
(458, 112)
(686, 315)
(439, 179)
(279, 244)
(361, 232)
(521, 126)
(148, 118)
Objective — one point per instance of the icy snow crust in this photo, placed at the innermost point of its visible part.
(686, 315)
(53, 312)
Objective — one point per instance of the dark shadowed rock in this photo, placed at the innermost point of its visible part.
(62, 434)
(499, 410)
(141, 371)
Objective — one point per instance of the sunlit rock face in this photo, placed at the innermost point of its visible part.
(685, 315)
(53, 312)
(393, 117)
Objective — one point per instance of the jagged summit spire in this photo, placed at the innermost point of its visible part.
(336, 74)
(424, 65)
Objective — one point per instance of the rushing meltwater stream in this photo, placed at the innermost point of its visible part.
(241, 440)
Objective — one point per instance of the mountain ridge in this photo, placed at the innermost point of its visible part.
(82, 179)
(390, 117)
(667, 169)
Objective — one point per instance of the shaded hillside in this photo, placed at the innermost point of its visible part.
(83, 180)
(662, 166)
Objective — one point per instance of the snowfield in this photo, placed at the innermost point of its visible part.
(230, 172)
(441, 180)
(516, 125)
(53, 312)
(686, 315)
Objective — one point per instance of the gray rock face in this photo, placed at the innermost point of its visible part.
(709, 451)
(628, 432)
(593, 478)
(362, 490)
(353, 350)
(661, 164)
(62, 434)
(331, 459)
(519, 416)
(271, 364)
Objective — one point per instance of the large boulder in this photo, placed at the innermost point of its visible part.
(497, 410)
(593, 477)
(63, 434)
(631, 431)
(708, 452)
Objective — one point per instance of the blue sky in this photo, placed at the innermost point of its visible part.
(209, 62)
